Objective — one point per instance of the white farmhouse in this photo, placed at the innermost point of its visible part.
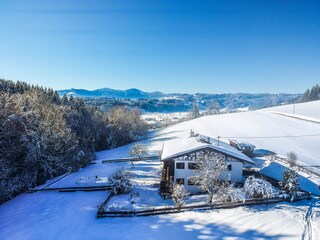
(179, 158)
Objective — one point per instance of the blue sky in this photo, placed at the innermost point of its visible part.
(170, 46)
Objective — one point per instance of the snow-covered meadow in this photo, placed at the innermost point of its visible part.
(263, 128)
(307, 109)
(72, 215)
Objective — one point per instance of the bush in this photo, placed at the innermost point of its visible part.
(258, 188)
(178, 194)
(134, 198)
(230, 194)
(120, 182)
(116, 207)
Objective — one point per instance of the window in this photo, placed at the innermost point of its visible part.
(180, 165)
(180, 181)
(229, 167)
(192, 166)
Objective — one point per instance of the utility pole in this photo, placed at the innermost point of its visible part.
(218, 140)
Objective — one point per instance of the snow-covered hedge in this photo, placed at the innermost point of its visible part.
(258, 188)
(120, 182)
(229, 194)
(135, 198)
(118, 207)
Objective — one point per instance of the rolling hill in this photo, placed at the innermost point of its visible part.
(263, 128)
(179, 102)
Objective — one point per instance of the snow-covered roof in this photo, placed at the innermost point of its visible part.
(181, 146)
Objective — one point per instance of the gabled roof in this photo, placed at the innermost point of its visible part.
(181, 146)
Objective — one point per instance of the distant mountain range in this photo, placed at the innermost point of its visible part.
(111, 93)
(179, 102)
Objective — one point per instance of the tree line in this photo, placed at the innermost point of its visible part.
(311, 94)
(43, 135)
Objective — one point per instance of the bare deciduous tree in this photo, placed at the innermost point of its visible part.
(138, 150)
(292, 159)
(210, 168)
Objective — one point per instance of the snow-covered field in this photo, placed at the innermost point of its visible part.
(92, 175)
(53, 215)
(57, 215)
(175, 116)
(308, 109)
(263, 128)
(158, 120)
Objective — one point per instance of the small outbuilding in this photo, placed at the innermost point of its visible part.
(244, 147)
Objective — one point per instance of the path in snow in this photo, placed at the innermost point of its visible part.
(307, 230)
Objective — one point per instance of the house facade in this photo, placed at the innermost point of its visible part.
(180, 158)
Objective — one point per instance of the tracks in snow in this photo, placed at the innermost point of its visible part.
(307, 230)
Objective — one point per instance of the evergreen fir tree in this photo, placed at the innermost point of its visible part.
(195, 110)
(290, 183)
(311, 95)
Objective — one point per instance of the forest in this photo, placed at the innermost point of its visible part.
(43, 135)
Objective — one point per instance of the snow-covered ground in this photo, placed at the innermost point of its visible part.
(158, 120)
(53, 215)
(263, 128)
(308, 109)
(163, 116)
(92, 175)
(57, 215)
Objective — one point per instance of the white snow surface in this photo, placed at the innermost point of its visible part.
(72, 216)
(308, 109)
(57, 215)
(264, 129)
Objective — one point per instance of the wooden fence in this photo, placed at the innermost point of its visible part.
(131, 159)
(300, 167)
(168, 210)
(298, 117)
(73, 189)
(53, 182)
